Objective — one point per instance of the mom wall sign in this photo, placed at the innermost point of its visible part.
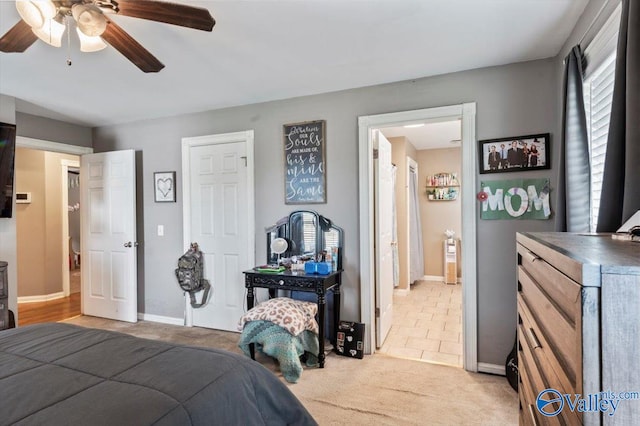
(516, 199)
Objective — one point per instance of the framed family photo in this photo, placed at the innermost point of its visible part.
(164, 184)
(514, 154)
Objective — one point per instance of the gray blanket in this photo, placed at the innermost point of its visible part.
(62, 374)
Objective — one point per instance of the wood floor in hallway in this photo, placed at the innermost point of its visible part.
(53, 310)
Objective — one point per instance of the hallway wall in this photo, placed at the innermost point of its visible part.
(401, 148)
(437, 216)
(39, 223)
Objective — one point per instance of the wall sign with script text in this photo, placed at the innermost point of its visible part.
(516, 199)
(305, 179)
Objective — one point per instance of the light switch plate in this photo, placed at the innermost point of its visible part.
(160, 230)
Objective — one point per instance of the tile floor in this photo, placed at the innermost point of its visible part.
(427, 324)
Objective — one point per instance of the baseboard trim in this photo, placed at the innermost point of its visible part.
(433, 278)
(484, 367)
(401, 291)
(160, 319)
(41, 298)
(439, 278)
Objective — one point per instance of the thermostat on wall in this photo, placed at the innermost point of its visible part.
(23, 197)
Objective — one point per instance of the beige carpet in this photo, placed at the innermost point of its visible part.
(377, 390)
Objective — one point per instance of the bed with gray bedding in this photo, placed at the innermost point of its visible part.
(69, 375)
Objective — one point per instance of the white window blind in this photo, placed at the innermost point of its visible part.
(600, 56)
(598, 93)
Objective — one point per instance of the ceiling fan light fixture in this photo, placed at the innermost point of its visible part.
(33, 12)
(89, 19)
(51, 32)
(90, 44)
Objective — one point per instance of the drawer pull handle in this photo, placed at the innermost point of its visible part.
(533, 416)
(534, 338)
(532, 257)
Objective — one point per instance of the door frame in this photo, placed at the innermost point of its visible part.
(64, 165)
(42, 145)
(466, 112)
(221, 138)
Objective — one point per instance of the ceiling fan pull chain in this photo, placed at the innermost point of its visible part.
(66, 21)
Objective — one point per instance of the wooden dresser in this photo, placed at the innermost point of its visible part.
(578, 326)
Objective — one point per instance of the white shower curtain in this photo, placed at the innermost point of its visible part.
(394, 230)
(416, 253)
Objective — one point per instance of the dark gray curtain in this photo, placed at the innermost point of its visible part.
(574, 181)
(621, 182)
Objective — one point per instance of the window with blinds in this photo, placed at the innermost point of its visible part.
(598, 92)
(600, 57)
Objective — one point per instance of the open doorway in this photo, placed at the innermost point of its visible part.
(466, 114)
(47, 231)
(427, 299)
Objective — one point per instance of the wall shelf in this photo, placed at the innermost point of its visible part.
(443, 187)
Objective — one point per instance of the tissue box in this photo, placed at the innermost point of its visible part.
(350, 339)
(322, 268)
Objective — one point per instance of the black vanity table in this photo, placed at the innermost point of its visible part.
(298, 281)
(307, 234)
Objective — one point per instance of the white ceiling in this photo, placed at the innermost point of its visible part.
(445, 134)
(262, 50)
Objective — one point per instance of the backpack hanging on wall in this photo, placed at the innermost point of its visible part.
(190, 275)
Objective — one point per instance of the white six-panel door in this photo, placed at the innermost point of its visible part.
(108, 240)
(220, 218)
(383, 178)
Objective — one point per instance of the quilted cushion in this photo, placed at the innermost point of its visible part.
(295, 316)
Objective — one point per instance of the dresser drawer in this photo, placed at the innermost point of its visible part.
(560, 260)
(539, 373)
(544, 351)
(562, 339)
(562, 290)
(527, 393)
(4, 313)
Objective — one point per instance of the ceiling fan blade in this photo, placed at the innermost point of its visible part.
(130, 48)
(170, 13)
(18, 38)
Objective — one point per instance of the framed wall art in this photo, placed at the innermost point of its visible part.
(304, 163)
(164, 184)
(514, 154)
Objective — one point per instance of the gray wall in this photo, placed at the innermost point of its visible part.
(38, 128)
(512, 100)
(33, 126)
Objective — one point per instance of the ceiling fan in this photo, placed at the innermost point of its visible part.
(49, 19)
